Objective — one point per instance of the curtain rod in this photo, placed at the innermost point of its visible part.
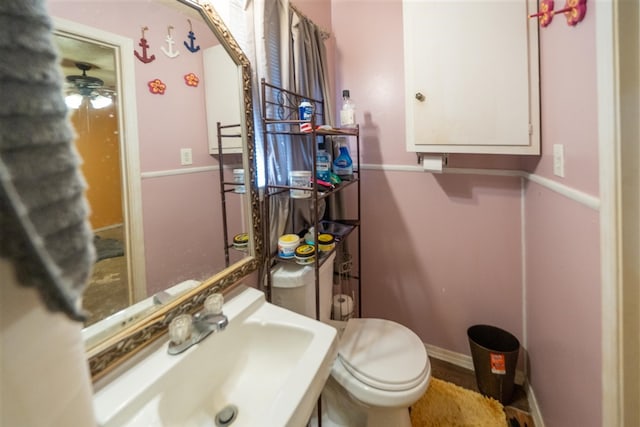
(323, 33)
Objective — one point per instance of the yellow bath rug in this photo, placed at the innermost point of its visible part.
(447, 405)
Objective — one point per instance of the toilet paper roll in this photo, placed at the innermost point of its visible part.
(342, 308)
(432, 163)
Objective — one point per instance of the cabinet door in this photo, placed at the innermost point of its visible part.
(471, 76)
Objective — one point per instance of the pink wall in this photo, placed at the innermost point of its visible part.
(442, 252)
(563, 308)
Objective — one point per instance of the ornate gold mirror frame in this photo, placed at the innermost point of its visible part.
(112, 352)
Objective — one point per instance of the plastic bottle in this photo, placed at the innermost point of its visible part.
(348, 111)
(305, 112)
(323, 164)
(343, 165)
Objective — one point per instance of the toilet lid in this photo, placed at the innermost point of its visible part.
(383, 354)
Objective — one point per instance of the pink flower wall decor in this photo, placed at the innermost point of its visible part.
(157, 87)
(574, 11)
(546, 6)
(546, 13)
(191, 80)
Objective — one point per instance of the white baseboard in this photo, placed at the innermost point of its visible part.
(534, 409)
(108, 227)
(452, 357)
(466, 362)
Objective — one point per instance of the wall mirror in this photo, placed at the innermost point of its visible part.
(147, 88)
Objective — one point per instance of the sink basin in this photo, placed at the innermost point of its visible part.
(269, 364)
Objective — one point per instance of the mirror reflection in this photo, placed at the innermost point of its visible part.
(154, 190)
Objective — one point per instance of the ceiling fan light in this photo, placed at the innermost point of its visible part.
(73, 101)
(100, 101)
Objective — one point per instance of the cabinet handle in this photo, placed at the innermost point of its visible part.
(420, 97)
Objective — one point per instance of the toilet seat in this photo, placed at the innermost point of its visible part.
(383, 354)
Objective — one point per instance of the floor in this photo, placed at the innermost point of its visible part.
(517, 411)
(108, 290)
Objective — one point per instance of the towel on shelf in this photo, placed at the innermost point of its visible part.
(44, 228)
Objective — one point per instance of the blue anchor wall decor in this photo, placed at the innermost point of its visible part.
(169, 51)
(192, 38)
(144, 45)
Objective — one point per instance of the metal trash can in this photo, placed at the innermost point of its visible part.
(495, 356)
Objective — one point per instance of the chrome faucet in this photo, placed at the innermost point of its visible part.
(186, 330)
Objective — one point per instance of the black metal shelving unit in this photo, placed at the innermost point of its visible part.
(280, 117)
(226, 131)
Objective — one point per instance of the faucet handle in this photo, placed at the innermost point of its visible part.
(180, 329)
(212, 315)
(213, 304)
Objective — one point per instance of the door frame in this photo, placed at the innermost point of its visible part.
(618, 113)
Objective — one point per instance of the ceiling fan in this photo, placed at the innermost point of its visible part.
(85, 86)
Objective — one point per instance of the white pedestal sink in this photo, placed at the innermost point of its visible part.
(270, 364)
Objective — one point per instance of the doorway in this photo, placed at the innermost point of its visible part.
(94, 69)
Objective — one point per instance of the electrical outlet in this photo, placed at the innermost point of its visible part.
(186, 157)
(558, 160)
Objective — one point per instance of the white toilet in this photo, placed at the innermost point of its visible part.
(382, 368)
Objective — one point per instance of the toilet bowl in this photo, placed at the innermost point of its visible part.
(381, 369)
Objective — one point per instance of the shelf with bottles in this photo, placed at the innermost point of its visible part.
(281, 114)
(292, 127)
(331, 131)
(324, 256)
(324, 191)
(327, 176)
(330, 235)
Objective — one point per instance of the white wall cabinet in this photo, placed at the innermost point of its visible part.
(471, 76)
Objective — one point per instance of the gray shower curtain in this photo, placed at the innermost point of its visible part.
(295, 59)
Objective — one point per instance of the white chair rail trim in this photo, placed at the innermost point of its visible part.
(576, 195)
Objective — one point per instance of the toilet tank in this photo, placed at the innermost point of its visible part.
(293, 287)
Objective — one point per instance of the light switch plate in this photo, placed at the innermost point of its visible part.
(558, 160)
(186, 157)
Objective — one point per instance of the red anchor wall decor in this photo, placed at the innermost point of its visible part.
(144, 45)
